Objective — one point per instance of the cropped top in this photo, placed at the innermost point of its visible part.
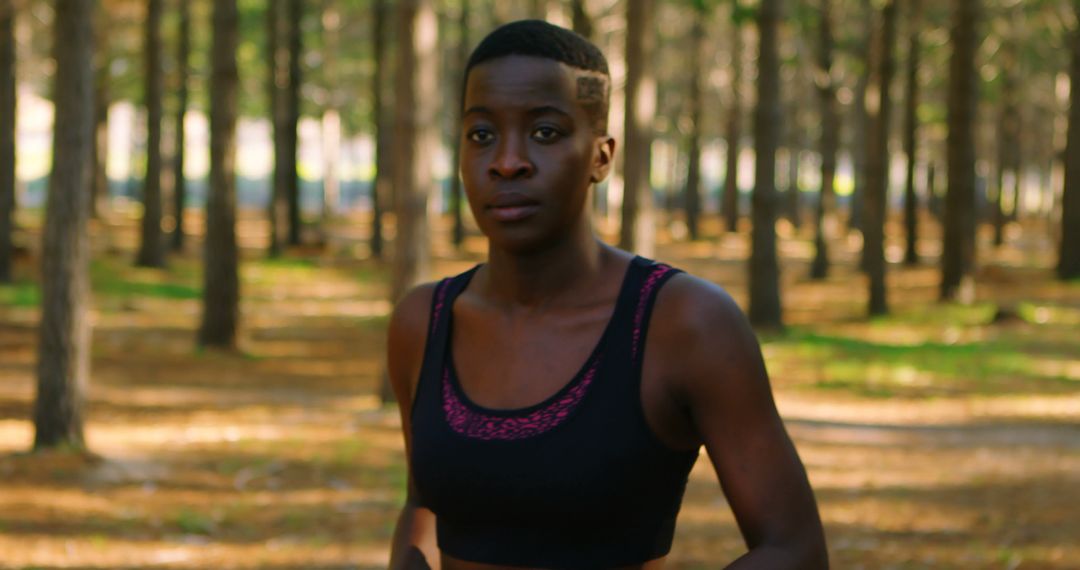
(576, 481)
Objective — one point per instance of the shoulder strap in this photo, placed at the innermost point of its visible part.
(439, 324)
(653, 277)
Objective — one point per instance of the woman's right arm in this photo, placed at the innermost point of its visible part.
(413, 546)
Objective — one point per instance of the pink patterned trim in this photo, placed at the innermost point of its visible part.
(643, 299)
(440, 300)
(478, 425)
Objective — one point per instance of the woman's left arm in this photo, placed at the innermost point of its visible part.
(720, 376)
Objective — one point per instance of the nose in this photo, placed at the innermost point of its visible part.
(511, 160)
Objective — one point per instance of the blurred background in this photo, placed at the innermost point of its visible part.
(208, 207)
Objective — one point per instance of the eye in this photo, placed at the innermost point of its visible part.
(545, 134)
(480, 135)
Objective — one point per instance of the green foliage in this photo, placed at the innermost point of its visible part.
(20, 294)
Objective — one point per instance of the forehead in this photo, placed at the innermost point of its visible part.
(515, 79)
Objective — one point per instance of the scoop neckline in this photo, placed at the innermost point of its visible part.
(591, 362)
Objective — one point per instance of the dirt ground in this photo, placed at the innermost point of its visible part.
(937, 437)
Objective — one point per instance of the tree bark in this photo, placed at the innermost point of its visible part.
(384, 164)
(99, 150)
(729, 209)
(7, 138)
(183, 57)
(63, 366)
(152, 246)
(581, 21)
(1068, 266)
(765, 307)
(331, 118)
(278, 204)
(958, 253)
(877, 183)
(692, 200)
(292, 118)
(221, 284)
(414, 138)
(830, 141)
(637, 230)
(911, 127)
(457, 205)
(861, 121)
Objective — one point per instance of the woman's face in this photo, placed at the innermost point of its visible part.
(529, 151)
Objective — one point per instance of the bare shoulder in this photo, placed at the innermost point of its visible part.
(406, 337)
(702, 336)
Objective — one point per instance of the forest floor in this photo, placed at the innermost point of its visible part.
(936, 437)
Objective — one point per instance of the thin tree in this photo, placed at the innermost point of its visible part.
(958, 248)
(860, 119)
(414, 137)
(1009, 138)
(911, 128)
(765, 308)
(99, 150)
(151, 248)
(582, 22)
(729, 207)
(63, 365)
(7, 137)
(877, 174)
(277, 57)
(456, 202)
(637, 232)
(830, 140)
(382, 119)
(692, 191)
(292, 117)
(221, 283)
(1068, 266)
(183, 57)
(331, 117)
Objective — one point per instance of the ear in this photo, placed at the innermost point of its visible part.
(602, 158)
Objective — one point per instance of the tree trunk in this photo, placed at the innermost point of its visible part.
(278, 204)
(861, 121)
(152, 246)
(1068, 266)
(7, 137)
(765, 308)
(911, 126)
(637, 231)
(292, 118)
(99, 149)
(221, 284)
(729, 209)
(877, 183)
(958, 253)
(1009, 135)
(692, 201)
(331, 118)
(384, 165)
(182, 72)
(415, 135)
(63, 366)
(456, 202)
(414, 139)
(581, 21)
(830, 140)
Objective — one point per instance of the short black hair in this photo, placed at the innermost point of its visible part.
(537, 38)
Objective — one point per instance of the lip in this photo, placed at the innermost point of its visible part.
(512, 207)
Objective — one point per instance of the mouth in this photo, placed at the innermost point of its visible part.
(512, 207)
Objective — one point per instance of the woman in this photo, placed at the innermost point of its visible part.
(555, 397)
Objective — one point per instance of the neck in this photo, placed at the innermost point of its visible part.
(533, 280)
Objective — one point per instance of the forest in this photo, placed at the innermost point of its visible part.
(208, 209)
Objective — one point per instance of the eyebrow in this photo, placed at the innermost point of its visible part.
(541, 110)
